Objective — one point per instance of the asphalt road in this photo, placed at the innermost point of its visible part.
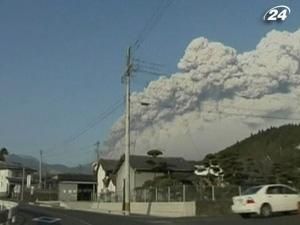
(70, 217)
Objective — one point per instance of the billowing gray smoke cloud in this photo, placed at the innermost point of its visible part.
(218, 97)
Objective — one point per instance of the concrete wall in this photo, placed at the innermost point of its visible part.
(167, 209)
(67, 192)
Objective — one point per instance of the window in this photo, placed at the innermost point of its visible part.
(288, 191)
(274, 190)
(252, 190)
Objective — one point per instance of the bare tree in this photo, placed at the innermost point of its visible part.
(3, 153)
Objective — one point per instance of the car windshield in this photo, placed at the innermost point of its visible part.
(252, 190)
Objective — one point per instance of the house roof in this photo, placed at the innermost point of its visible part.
(75, 177)
(108, 164)
(14, 166)
(19, 180)
(148, 163)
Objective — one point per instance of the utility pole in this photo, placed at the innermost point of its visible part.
(40, 171)
(98, 158)
(45, 177)
(23, 183)
(97, 150)
(127, 132)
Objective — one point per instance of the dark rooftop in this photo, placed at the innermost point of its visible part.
(75, 177)
(108, 164)
(14, 166)
(148, 163)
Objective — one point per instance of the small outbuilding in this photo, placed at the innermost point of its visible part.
(76, 187)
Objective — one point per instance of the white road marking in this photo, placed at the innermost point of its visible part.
(160, 221)
(46, 219)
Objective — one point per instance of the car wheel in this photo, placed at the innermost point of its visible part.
(245, 215)
(265, 210)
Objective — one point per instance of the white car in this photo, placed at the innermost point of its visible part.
(265, 199)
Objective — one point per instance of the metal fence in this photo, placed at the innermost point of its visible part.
(41, 195)
(179, 193)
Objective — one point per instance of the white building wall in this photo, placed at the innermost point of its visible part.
(100, 185)
(119, 179)
(4, 181)
(121, 176)
(100, 176)
(137, 178)
(111, 187)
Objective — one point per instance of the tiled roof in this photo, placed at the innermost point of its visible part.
(108, 164)
(75, 177)
(148, 163)
(14, 166)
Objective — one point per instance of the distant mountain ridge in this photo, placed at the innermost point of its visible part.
(32, 162)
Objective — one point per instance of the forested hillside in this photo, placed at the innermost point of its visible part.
(271, 155)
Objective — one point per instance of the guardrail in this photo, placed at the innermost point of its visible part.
(8, 211)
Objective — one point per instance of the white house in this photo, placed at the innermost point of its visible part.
(144, 168)
(11, 176)
(105, 177)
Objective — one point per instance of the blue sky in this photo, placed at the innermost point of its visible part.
(61, 61)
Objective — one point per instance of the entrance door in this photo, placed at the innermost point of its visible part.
(84, 192)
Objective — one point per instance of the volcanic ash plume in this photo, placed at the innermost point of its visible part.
(216, 98)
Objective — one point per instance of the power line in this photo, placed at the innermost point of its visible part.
(154, 73)
(102, 116)
(146, 62)
(250, 114)
(152, 22)
(261, 116)
(92, 124)
(84, 148)
(81, 150)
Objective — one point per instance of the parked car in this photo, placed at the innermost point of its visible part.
(266, 199)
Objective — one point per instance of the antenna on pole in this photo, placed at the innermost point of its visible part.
(97, 150)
